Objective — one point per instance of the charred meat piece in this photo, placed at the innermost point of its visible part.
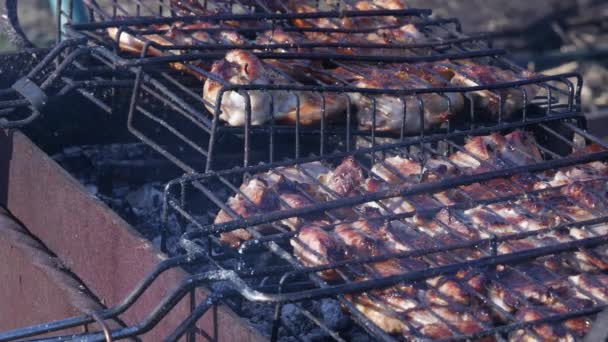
(546, 332)
(396, 113)
(499, 102)
(256, 198)
(515, 148)
(345, 180)
(595, 284)
(390, 308)
(292, 67)
(314, 246)
(385, 24)
(439, 322)
(305, 177)
(512, 289)
(177, 33)
(240, 67)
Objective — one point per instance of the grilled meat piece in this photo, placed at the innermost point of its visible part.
(510, 217)
(439, 322)
(390, 308)
(394, 169)
(307, 174)
(240, 67)
(515, 148)
(386, 112)
(178, 33)
(295, 68)
(345, 180)
(313, 246)
(500, 102)
(595, 284)
(546, 332)
(512, 289)
(256, 198)
(303, 178)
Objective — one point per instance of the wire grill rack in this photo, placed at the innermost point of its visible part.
(542, 277)
(485, 250)
(166, 101)
(168, 112)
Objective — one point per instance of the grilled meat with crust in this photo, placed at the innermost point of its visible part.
(500, 102)
(314, 246)
(256, 198)
(386, 112)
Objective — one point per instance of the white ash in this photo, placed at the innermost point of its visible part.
(333, 315)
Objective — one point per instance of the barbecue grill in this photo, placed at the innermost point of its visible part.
(184, 126)
(167, 112)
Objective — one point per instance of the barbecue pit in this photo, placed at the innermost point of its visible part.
(170, 117)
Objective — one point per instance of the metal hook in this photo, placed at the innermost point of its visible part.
(106, 331)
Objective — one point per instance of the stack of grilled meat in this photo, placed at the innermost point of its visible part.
(405, 112)
(471, 300)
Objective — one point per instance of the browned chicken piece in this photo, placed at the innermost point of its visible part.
(313, 246)
(595, 284)
(586, 260)
(298, 69)
(387, 317)
(290, 197)
(257, 198)
(306, 176)
(240, 67)
(544, 332)
(433, 322)
(516, 216)
(385, 24)
(511, 289)
(386, 112)
(384, 307)
(595, 173)
(345, 180)
(456, 289)
(177, 33)
(188, 7)
(369, 236)
(539, 289)
(395, 205)
(565, 206)
(490, 222)
(471, 74)
(394, 169)
(403, 172)
(391, 307)
(515, 148)
(456, 225)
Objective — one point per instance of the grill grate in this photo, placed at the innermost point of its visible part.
(531, 269)
(165, 101)
(496, 251)
(168, 112)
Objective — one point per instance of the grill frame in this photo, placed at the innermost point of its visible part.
(571, 113)
(178, 112)
(199, 240)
